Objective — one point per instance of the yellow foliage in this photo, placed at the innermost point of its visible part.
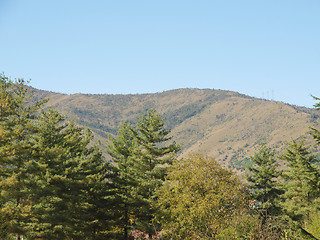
(199, 198)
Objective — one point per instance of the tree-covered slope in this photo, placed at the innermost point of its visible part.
(226, 125)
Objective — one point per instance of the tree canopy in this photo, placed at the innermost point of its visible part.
(198, 198)
(55, 182)
(142, 154)
(263, 181)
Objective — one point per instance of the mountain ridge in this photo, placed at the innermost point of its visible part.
(224, 124)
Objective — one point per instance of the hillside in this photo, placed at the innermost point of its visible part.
(226, 125)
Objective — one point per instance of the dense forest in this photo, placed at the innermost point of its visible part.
(56, 184)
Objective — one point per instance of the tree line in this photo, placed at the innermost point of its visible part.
(56, 184)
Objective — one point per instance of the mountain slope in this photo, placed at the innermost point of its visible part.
(226, 125)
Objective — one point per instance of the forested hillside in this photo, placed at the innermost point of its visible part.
(56, 184)
(226, 125)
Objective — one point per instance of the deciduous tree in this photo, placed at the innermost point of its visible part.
(199, 198)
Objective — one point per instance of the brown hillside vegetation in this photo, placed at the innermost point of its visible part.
(225, 125)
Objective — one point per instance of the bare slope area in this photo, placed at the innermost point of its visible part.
(226, 125)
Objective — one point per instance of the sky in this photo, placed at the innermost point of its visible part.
(263, 48)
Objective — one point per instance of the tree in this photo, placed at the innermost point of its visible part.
(72, 195)
(317, 105)
(152, 158)
(96, 211)
(302, 192)
(17, 131)
(50, 216)
(142, 157)
(199, 198)
(312, 223)
(302, 180)
(121, 149)
(264, 181)
(315, 132)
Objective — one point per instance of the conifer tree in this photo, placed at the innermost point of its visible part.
(317, 105)
(16, 134)
(302, 192)
(71, 199)
(153, 157)
(50, 216)
(315, 132)
(263, 178)
(142, 157)
(96, 209)
(121, 149)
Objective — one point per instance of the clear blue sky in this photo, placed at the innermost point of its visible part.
(263, 48)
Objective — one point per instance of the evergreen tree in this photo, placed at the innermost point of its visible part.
(71, 198)
(302, 177)
(16, 134)
(52, 218)
(152, 158)
(121, 149)
(317, 105)
(96, 209)
(263, 178)
(142, 157)
(315, 132)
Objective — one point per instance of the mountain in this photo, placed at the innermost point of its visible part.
(226, 125)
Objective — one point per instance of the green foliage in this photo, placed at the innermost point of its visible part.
(152, 160)
(142, 158)
(316, 134)
(302, 181)
(177, 116)
(16, 135)
(191, 113)
(199, 198)
(121, 150)
(317, 105)
(240, 163)
(247, 226)
(312, 223)
(50, 210)
(53, 185)
(71, 197)
(263, 180)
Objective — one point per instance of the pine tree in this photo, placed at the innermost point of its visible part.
(121, 149)
(16, 134)
(263, 178)
(317, 105)
(152, 159)
(97, 207)
(51, 199)
(302, 177)
(72, 196)
(142, 158)
(315, 132)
